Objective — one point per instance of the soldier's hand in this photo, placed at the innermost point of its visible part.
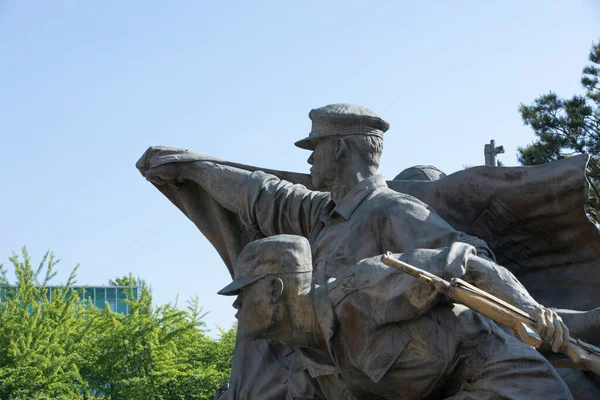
(166, 173)
(551, 328)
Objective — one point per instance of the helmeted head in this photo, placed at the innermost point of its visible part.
(359, 129)
(420, 173)
(266, 273)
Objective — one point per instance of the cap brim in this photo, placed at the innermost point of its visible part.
(307, 143)
(234, 287)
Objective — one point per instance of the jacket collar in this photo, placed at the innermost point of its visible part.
(346, 207)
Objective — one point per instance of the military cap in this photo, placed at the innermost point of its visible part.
(275, 255)
(341, 120)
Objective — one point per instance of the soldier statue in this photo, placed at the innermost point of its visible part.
(345, 210)
(387, 335)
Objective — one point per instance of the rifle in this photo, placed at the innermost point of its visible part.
(583, 355)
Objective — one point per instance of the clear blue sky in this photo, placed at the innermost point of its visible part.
(87, 86)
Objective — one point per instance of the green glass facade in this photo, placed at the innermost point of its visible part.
(99, 296)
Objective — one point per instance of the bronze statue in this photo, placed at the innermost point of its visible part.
(386, 333)
(355, 214)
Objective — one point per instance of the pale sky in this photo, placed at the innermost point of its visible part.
(87, 86)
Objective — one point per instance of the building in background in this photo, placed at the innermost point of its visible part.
(114, 296)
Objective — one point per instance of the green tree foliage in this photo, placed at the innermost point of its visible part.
(68, 349)
(565, 127)
(41, 341)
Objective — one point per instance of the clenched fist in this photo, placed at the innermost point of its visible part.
(551, 328)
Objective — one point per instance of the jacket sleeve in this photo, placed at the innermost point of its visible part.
(276, 207)
(263, 201)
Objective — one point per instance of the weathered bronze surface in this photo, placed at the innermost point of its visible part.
(532, 219)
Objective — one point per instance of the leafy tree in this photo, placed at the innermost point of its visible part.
(565, 127)
(127, 280)
(152, 353)
(65, 348)
(40, 340)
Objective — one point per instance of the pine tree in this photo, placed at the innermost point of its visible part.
(566, 127)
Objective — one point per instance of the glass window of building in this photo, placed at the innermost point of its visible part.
(89, 294)
(111, 298)
(122, 307)
(100, 298)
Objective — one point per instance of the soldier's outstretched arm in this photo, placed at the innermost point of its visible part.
(262, 201)
(419, 226)
(498, 281)
(221, 182)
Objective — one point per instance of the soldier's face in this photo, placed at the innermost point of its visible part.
(255, 309)
(323, 164)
